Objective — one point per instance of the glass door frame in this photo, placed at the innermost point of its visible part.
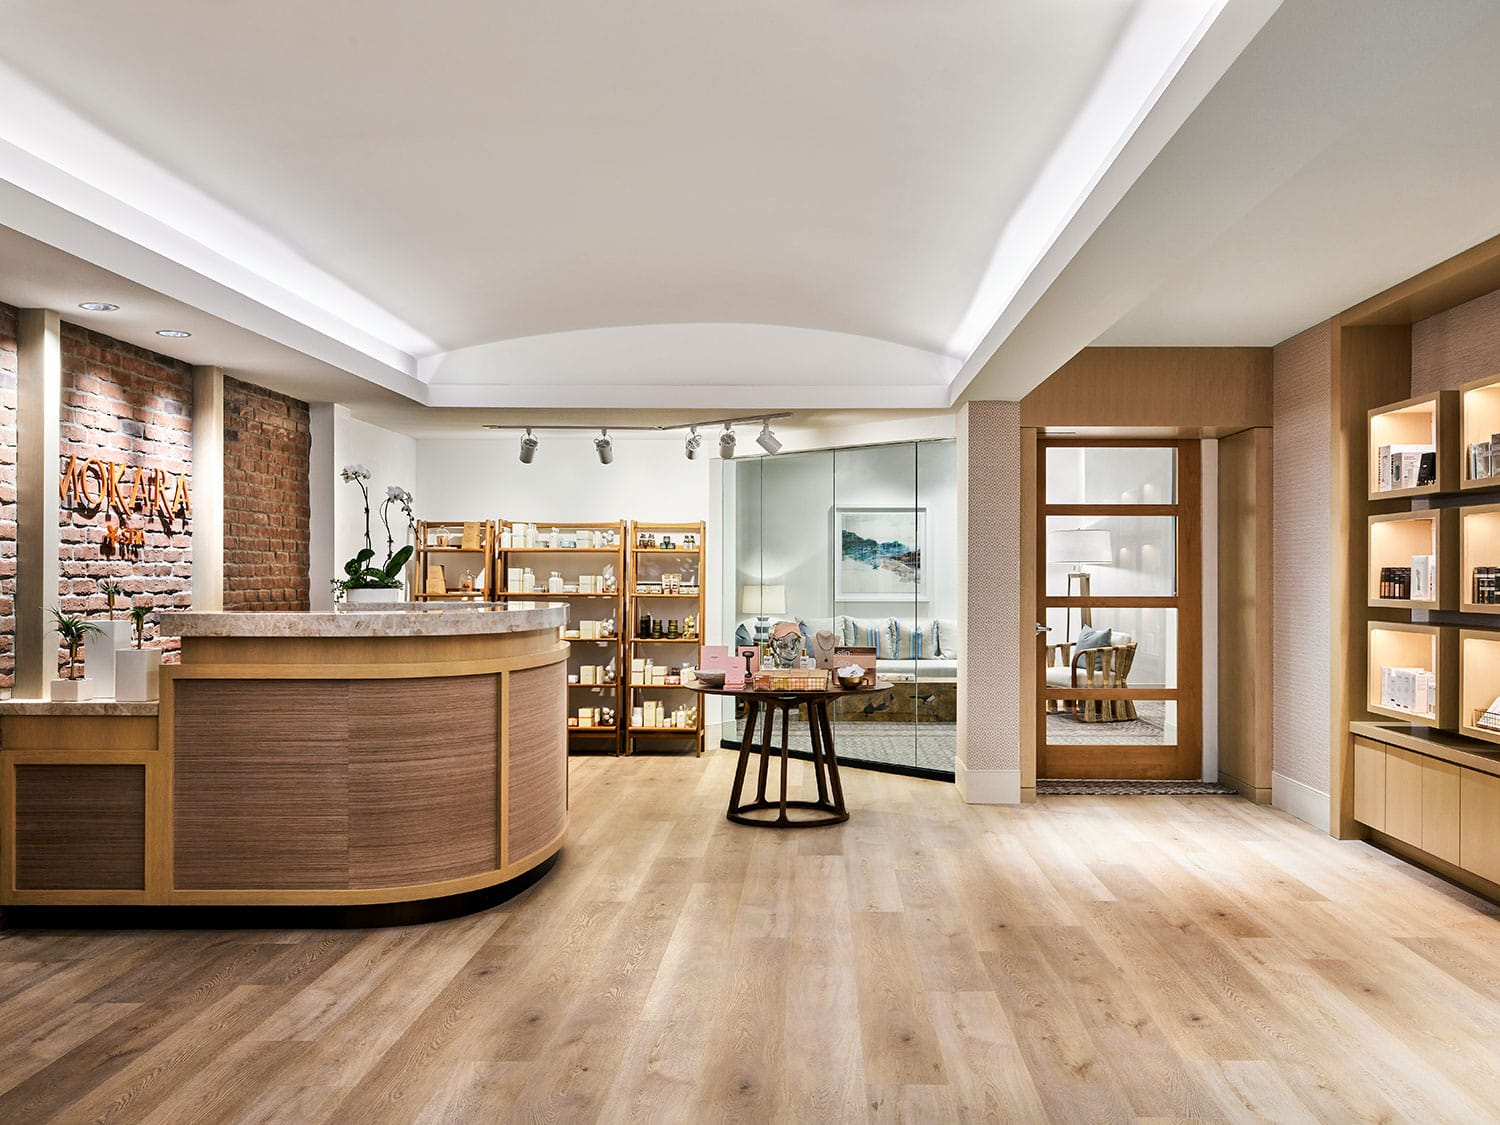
(1133, 761)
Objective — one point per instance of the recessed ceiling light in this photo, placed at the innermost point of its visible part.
(98, 306)
(173, 333)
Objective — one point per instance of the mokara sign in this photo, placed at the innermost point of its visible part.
(92, 486)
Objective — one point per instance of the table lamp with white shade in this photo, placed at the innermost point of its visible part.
(763, 601)
(1079, 546)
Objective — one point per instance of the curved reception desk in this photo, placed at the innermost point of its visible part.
(398, 755)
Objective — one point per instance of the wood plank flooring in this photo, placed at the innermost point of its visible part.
(1082, 959)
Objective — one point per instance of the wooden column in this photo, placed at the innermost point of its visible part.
(38, 446)
(208, 489)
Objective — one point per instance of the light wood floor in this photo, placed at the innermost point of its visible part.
(1084, 959)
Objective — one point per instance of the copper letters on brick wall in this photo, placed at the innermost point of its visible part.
(93, 485)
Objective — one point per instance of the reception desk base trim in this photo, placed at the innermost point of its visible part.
(405, 912)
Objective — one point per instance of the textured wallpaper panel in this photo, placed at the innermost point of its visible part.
(1456, 346)
(1302, 537)
(989, 733)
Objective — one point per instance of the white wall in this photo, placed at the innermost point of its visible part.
(483, 478)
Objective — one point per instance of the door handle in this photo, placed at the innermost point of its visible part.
(1040, 628)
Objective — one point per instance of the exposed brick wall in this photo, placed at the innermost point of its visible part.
(7, 499)
(129, 405)
(267, 507)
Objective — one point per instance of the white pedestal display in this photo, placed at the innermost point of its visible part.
(137, 675)
(99, 654)
(72, 691)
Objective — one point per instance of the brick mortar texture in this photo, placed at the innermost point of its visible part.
(132, 406)
(267, 501)
(127, 404)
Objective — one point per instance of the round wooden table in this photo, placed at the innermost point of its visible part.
(764, 705)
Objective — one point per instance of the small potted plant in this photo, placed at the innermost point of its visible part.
(111, 590)
(362, 581)
(116, 637)
(138, 669)
(74, 630)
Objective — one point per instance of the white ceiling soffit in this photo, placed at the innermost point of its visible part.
(810, 199)
(1278, 202)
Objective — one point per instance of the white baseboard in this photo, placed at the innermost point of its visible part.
(1302, 801)
(987, 787)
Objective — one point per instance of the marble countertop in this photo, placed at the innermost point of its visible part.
(87, 707)
(399, 619)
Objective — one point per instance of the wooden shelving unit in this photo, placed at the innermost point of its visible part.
(648, 567)
(1478, 680)
(1479, 421)
(1479, 539)
(1396, 537)
(1426, 420)
(443, 543)
(573, 564)
(1401, 644)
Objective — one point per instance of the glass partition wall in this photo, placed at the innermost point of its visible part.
(861, 543)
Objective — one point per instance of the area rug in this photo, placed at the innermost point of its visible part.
(1051, 788)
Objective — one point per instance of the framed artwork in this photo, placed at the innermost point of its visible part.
(878, 554)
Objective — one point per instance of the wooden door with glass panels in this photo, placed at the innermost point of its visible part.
(1119, 549)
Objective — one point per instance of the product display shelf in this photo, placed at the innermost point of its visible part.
(1428, 648)
(1398, 540)
(1479, 539)
(1479, 423)
(1427, 421)
(515, 549)
(1479, 684)
(648, 567)
(441, 543)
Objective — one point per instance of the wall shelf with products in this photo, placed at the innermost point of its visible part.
(453, 561)
(666, 580)
(1412, 673)
(1479, 684)
(1479, 558)
(1413, 449)
(1411, 560)
(1479, 433)
(585, 567)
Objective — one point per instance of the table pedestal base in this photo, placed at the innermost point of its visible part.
(830, 802)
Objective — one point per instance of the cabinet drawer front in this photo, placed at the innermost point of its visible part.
(1479, 824)
(1369, 783)
(1403, 795)
(1440, 809)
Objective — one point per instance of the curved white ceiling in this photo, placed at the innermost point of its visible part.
(468, 195)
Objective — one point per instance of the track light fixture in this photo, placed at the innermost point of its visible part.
(767, 440)
(692, 445)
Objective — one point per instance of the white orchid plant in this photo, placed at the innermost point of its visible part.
(359, 573)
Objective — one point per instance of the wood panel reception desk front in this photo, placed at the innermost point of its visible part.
(396, 755)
